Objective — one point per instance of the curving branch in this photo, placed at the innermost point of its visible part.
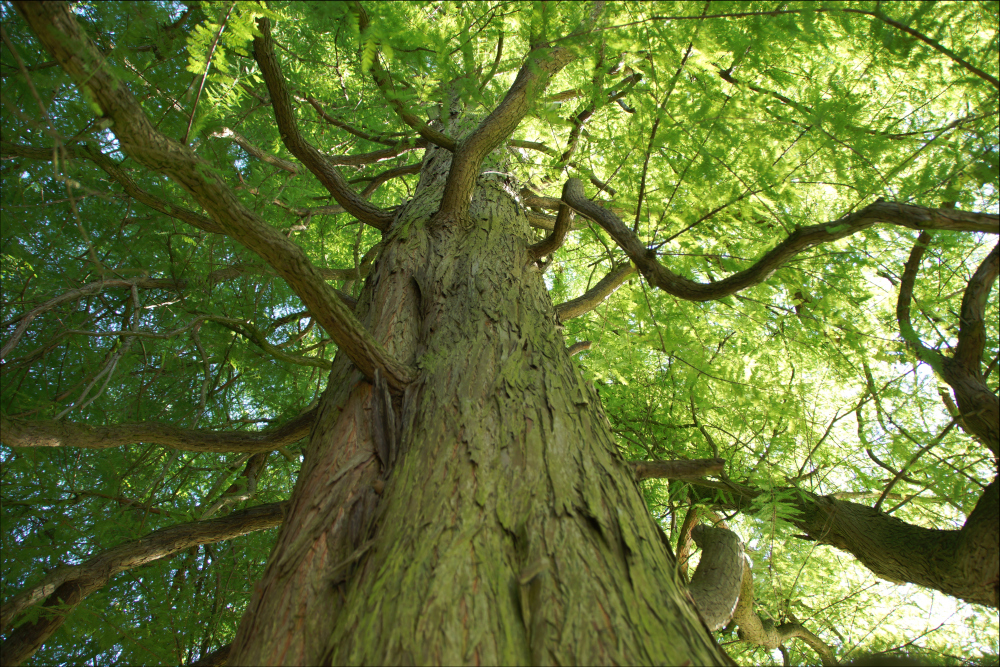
(715, 585)
(322, 167)
(904, 215)
(50, 433)
(595, 295)
(932, 358)
(554, 241)
(979, 407)
(384, 83)
(57, 29)
(962, 563)
(972, 327)
(66, 587)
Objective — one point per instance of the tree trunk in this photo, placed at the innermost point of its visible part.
(485, 515)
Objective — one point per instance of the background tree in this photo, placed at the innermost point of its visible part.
(296, 266)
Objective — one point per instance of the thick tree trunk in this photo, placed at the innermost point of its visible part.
(485, 516)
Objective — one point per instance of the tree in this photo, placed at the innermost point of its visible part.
(736, 190)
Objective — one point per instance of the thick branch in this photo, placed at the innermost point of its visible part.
(67, 586)
(317, 163)
(972, 328)
(48, 433)
(531, 81)
(59, 33)
(595, 295)
(715, 585)
(914, 217)
(979, 407)
(962, 563)
(680, 469)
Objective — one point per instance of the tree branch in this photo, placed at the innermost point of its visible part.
(554, 241)
(595, 295)
(384, 83)
(56, 28)
(67, 586)
(316, 162)
(913, 217)
(979, 406)
(470, 152)
(50, 433)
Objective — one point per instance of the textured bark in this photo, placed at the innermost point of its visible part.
(715, 585)
(486, 515)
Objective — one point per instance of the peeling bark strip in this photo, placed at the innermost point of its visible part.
(56, 28)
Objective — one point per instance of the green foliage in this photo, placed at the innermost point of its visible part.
(830, 111)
